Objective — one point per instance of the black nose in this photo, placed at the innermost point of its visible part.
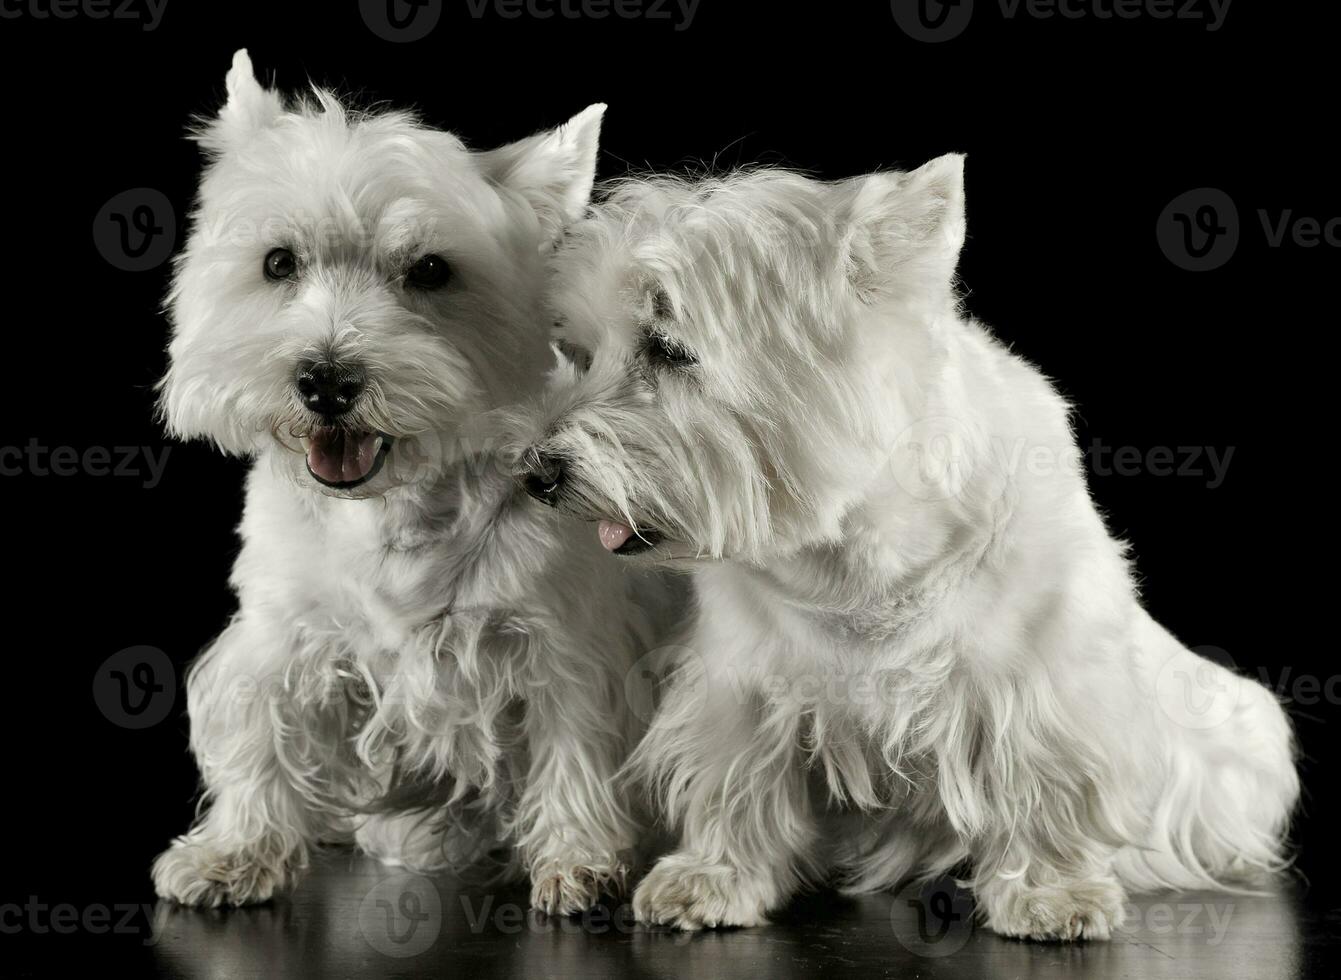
(543, 477)
(329, 389)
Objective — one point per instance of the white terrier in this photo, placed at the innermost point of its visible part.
(415, 638)
(772, 384)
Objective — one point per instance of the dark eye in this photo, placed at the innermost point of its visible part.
(430, 272)
(662, 307)
(660, 349)
(574, 354)
(280, 264)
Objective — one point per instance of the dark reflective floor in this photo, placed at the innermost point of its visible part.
(353, 918)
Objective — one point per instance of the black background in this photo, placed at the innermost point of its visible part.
(1078, 134)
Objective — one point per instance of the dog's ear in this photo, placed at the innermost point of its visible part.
(250, 108)
(906, 231)
(554, 170)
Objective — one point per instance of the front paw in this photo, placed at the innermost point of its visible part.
(568, 887)
(1077, 910)
(688, 893)
(206, 876)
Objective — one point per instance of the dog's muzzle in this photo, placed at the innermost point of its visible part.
(542, 476)
(619, 538)
(339, 455)
(328, 388)
(343, 459)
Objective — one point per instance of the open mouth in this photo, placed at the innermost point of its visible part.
(620, 539)
(342, 458)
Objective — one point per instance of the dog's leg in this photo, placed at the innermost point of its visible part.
(728, 768)
(254, 835)
(1053, 819)
(576, 833)
(1079, 900)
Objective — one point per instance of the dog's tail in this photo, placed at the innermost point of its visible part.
(1230, 784)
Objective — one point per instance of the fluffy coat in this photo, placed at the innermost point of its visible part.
(422, 659)
(909, 611)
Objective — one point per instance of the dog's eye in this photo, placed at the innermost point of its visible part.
(430, 272)
(574, 354)
(662, 307)
(662, 350)
(280, 264)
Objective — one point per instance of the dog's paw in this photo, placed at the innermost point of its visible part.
(1060, 913)
(205, 876)
(689, 894)
(566, 888)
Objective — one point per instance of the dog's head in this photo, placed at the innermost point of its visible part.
(358, 289)
(739, 355)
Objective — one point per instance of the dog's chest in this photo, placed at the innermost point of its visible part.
(383, 572)
(850, 665)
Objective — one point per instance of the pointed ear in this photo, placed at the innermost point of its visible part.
(906, 231)
(249, 109)
(554, 170)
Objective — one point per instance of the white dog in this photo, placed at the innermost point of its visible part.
(899, 607)
(415, 638)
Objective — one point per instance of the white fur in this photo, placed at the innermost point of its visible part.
(430, 662)
(899, 617)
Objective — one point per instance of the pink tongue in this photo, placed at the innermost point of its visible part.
(337, 456)
(613, 534)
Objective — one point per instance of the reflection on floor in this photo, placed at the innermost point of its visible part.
(353, 917)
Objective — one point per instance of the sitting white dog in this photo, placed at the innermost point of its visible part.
(773, 385)
(415, 638)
